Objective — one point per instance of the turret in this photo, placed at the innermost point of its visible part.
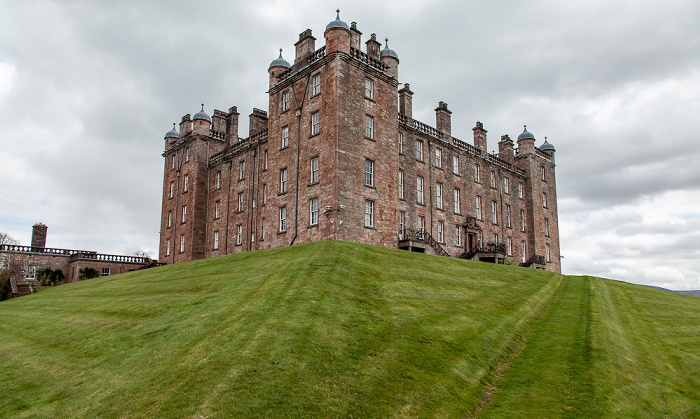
(337, 36)
(548, 149)
(171, 137)
(277, 67)
(390, 59)
(526, 142)
(201, 122)
(480, 136)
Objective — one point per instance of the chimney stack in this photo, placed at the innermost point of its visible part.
(443, 119)
(480, 137)
(39, 235)
(406, 101)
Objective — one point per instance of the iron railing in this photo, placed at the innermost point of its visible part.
(423, 236)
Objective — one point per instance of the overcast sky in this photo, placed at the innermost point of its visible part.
(89, 88)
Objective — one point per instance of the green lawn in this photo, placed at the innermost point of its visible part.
(336, 329)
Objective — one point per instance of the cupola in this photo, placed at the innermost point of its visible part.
(279, 62)
(526, 135)
(172, 133)
(337, 23)
(388, 52)
(547, 146)
(202, 115)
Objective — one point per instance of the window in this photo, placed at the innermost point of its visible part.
(542, 172)
(495, 238)
(240, 201)
(547, 254)
(438, 194)
(419, 150)
(314, 170)
(457, 204)
(438, 158)
(494, 208)
(506, 185)
(458, 235)
(546, 227)
(507, 215)
(239, 234)
(218, 179)
(455, 165)
(369, 89)
(522, 220)
(105, 271)
(441, 231)
(31, 272)
(241, 170)
(187, 155)
(313, 211)
(184, 213)
(262, 230)
(478, 208)
(315, 123)
(315, 85)
(285, 137)
(421, 225)
(283, 181)
(544, 199)
(493, 179)
(167, 248)
(264, 193)
(217, 209)
(369, 127)
(509, 246)
(477, 173)
(369, 213)
(522, 245)
(401, 184)
(419, 189)
(369, 173)
(285, 101)
(182, 243)
(265, 161)
(520, 190)
(170, 219)
(186, 181)
(283, 219)
(402, 223)
(216, 240)
(174, 158)
(172, 189)
(400, 142)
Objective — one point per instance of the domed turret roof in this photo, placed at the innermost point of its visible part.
(387, 52)
(202, 115)
(547, 146)
(172, 133)
(526, 135)
(337, 23)
(280, 62)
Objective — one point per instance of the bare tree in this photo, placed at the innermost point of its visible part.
(142, 254)
(7, 239)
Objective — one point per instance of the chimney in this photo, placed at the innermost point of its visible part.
(355, 36)
(406, 101)
(443, 119)
(480, 136)
(305, 46)
(39, 235)
(505, 148)
(218, 122)
(258, 121)
(232, 126)
(185, 125)
(373, 47)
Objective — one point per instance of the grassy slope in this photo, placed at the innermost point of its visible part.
(324, 329)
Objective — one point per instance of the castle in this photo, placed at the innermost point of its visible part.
(339, 156)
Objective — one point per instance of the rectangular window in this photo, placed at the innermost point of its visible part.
(458, 235)
(402, 223)
(216, 240)
(182, 243)
(315, 123)
(31, 272)
(264, 193)
(369, 127)
(283, 181)
(369, 173)
(186, 181)
(239, 234)
(170, 219)
(262, 230)
(265, 161)
(285, 137)
(509, 246)
(174, 159)
(547, 254)
(506, 185)
(495, 238)
(283, 219)
(369, 213)
(524, 253)
(218, 179)
(478, 208)
(315, 84)
(522, 220)
(167, 248)
(419, 189)
(240, 202)
(187, 155)
(313, 211)
(314, 170)
(457, 202)
(455, 165)
(438, 158)
(369, 89)
(172, 189)
(507, 215)
(401, 184)
(542, 172)
(520, 190)
(438, 190)
(421, 225)
(544, 199)
(285, 101)
(241, 170)
(105, 271)
(493, 179)
(546, 227)
(441, 231)
(184, 213)
(419, 150)
(477, 173)
(494, 208)
(400, 142)
(217, 209)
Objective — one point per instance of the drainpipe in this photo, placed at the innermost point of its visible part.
(228, 206)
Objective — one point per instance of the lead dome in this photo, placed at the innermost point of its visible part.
(546, 146)
(172, 133)
(388, 52)
(526, 135)
(202, 115)
(280, 62)
(337, 23)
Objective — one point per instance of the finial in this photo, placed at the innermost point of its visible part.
(525, 127)
(337, 16)
(387, 42)
(202, 107)
(545, 138)
(280, 52)
(173, 125)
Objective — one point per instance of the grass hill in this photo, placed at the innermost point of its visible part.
(337, 329)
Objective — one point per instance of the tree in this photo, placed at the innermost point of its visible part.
(48, 276)
(7, 239)
(5, 288)
(142, 254)
(87, 273)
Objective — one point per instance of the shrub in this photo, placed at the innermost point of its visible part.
(87, 273)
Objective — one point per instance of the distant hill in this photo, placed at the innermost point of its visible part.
(694, 293)
(337, 329)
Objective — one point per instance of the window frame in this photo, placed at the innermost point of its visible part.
(314, 170)
(401, 185)
(369, 172)
(369, 88)
(315, 123)
(419, 150)
(316, 84)
(283, 180)
(420, 187)
(369, 127)
(285, 137)
(457, 201)
(313, 211)
(438, 195)
(283, 219)
(369, 213)
(478, 207)
(438, 157)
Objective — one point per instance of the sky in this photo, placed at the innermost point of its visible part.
(88, 89)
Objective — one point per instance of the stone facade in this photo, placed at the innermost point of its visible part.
(339, 156)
